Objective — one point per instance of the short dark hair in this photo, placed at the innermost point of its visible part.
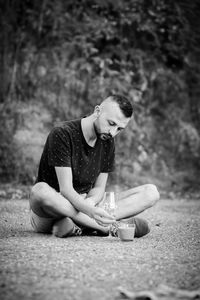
(124, 104)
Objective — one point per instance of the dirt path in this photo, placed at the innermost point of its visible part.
(36, 266)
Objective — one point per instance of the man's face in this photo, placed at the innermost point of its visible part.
(110, 120)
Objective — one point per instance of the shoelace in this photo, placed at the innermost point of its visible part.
(114, 229)
(77, 231)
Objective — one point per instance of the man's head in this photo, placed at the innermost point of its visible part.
(112, 116)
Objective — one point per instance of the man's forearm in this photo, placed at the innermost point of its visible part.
(78, 202)
(96, 194)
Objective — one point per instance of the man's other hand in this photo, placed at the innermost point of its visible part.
(102, 217)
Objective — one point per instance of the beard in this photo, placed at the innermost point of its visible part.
(105, 136)
(102, 135)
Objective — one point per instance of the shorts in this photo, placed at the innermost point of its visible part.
(41, 224)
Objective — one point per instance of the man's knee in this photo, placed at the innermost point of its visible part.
(151, 194)
(40, 192)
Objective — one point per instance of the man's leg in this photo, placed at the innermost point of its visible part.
(134, 201)
(47, 203)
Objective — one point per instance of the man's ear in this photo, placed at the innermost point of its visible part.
(97, 110)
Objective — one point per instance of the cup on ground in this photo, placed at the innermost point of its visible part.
(126, 232)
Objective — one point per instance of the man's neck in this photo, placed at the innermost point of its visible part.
(88, 130)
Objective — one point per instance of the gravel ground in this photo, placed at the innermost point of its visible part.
(38, 266)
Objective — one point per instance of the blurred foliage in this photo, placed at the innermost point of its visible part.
(69, 55)
(8, 149)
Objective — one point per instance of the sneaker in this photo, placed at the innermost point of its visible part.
(141, 227)
(65, 227)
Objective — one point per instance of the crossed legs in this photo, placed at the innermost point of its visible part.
(48, 203)
(45, 202)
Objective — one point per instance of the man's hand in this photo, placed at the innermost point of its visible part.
(102, 217)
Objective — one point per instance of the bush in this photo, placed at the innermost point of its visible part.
(78, 52)
(9, 159)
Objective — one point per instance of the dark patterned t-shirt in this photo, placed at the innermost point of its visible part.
(67, 147)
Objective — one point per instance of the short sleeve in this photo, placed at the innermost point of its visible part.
(59, 148)
(109, 157)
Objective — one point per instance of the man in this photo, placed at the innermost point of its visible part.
(73, 171)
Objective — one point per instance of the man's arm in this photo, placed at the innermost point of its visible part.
(96, 194)
(64, 175)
